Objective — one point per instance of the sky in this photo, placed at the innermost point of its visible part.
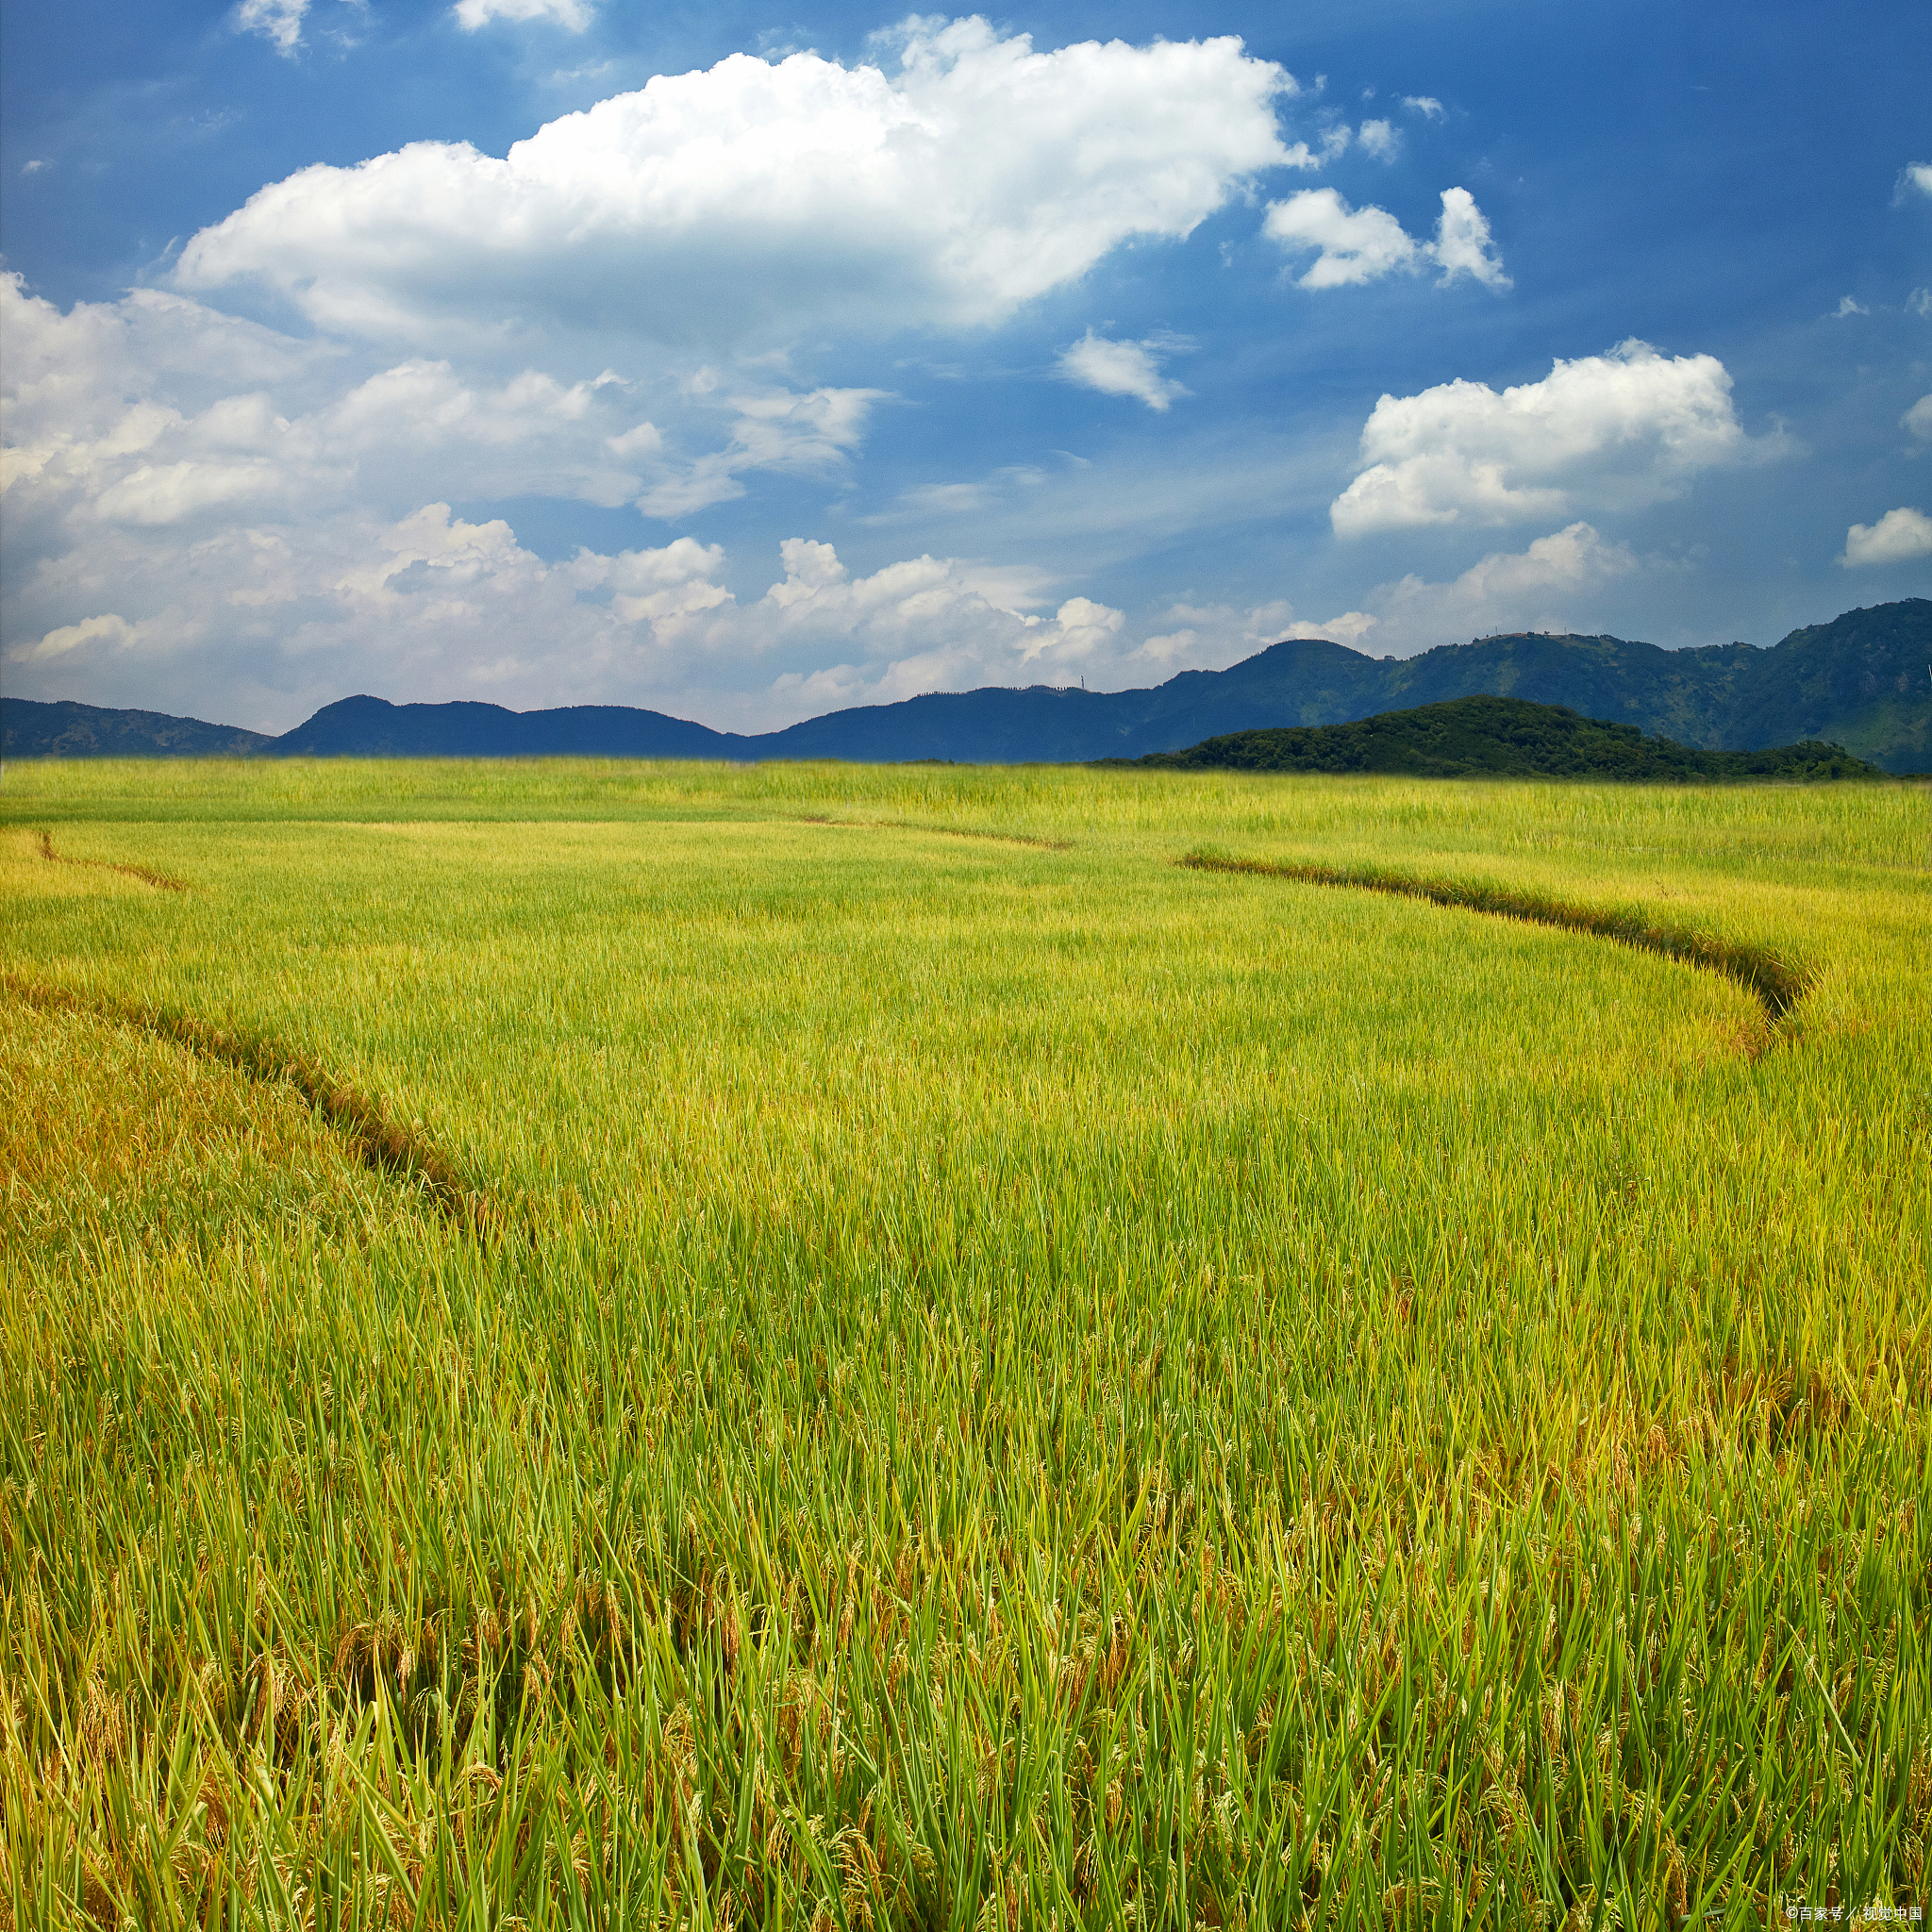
(746, 364)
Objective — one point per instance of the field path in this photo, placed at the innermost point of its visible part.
(1777, 986)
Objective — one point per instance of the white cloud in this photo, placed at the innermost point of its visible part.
(1603, 431)
(170, 493)
(774, 430)
(1363, 245)
(759, 198)
(1549, 587)
(1918, 302)
(1218, 635)
(278, 21)
(1898, 537)
(662, 587)
(1847, 306)
(1381, 139)
(925, 625)
(109, 629)
(1915, 176)
(1462, 242)
(938, 499)
(1356, 245)
(473, 14)
(1426, 105)
(1543, 587)
(121, 412)
(1918, 418)
(1122, 369)
(34, 167)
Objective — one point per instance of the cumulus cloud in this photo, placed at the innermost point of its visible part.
(1355, 244)
(1463, 246)
(278, 21)
(1914, 178)
(1918, 418)
(1609, 431)
(108, 629)
(1426, 105)
(1382, 138)
(1551, 585)
(1918, 302)
(1123, 368)
(927, 624)
(1547, 586)
(124, 413)
(1363, 245)
(473, 14)
(758, 197)
(1847, 305)
(1898, 537)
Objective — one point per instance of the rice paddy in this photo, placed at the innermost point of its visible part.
(810, 1346)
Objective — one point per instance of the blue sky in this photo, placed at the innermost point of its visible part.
(745, 363)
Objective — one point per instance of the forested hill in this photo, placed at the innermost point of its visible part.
(1499, 738)
(67, 730)
(1863, 681)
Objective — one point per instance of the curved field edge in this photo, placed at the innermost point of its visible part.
(162, 882)
(116, 1142)
(381, 1144)
(1777, 984)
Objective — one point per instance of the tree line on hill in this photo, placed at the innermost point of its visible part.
(1498, 738)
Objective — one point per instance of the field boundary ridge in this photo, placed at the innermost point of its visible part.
(946, 831)
(378, 1141)
(162, 881)
(1777, 987)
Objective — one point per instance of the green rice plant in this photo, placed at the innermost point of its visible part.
(1029, 1384)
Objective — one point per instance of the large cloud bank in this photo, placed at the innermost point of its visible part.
(1603, 432)
(754, 196)
(196, 505)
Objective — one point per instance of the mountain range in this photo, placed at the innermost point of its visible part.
(1863, 681)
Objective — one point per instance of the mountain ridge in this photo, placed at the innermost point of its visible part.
(1863, 680)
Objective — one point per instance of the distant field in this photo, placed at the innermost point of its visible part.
(916, 1363)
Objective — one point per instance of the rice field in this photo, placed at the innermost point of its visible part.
(834, 1347)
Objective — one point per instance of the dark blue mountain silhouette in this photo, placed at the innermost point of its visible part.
(1864, 681)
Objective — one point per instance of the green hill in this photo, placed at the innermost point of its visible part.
(1500, 737)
